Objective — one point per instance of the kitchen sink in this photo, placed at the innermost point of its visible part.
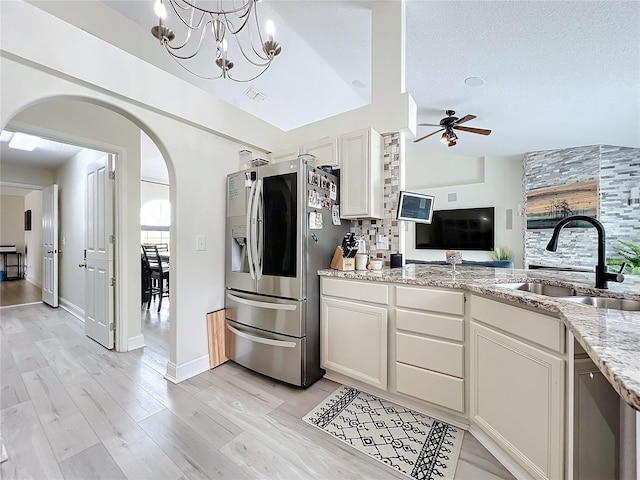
(606, 302)
(540, 289)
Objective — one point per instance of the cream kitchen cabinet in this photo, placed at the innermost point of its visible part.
(353, 330)
(325, 151)
(285, 155)
(361, 177)
(430, 352)
(517, 384)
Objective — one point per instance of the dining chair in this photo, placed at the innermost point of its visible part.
(158, 274)
(163, 251)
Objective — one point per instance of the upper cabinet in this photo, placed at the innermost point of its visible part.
(358, 155)
(361, 174)
(325, 151)
(285, 155)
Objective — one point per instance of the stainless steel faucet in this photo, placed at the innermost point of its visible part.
(602, 276)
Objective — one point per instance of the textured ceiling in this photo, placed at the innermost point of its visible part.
(557, 73)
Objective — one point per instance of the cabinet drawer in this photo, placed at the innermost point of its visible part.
(437, 355)
(430, 324)
(431, 386)
(443, 301)
(531, 326)
(356, 290)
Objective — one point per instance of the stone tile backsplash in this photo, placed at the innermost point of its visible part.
(617, 169)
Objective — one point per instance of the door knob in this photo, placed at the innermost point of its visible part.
(82, 265)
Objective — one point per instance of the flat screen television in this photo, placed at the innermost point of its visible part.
(462, 229)
(415, 207)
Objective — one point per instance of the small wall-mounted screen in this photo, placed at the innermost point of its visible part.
(415, 207)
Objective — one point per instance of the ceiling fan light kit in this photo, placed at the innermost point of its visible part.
(449, 124)
(238, 21)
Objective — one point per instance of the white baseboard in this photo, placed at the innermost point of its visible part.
(71, 308)
(135, 342)
(34, 281)
(178, 373)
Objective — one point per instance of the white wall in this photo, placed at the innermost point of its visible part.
(19, 175)
(33, 238)
(12, 221)
(477, 182)
(153, 191)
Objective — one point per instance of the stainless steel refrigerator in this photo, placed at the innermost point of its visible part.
(279, 234)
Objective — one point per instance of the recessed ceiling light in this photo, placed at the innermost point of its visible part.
(357, 84)
(5, 136)
(474, 81)
(22, 141)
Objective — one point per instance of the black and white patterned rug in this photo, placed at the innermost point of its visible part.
(407, 441)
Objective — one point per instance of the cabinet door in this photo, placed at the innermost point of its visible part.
(361, 188)
(284, 155)
(325, 151)
(517, 398)
(353, 340)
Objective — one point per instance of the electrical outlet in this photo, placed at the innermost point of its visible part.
(201, 243)
(383, 242)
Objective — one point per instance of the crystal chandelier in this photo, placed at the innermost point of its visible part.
(237, 20)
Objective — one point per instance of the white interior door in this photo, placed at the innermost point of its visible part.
(50, 245)
(99, 277)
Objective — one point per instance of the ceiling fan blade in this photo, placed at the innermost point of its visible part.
(422, 138)
(429, 124)
(481, 131)
(466, 118)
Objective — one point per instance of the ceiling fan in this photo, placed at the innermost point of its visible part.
(449, 124)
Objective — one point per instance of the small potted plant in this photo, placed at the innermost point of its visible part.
(630, 254)
(502, 253)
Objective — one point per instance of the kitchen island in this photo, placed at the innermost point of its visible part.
(484, 352)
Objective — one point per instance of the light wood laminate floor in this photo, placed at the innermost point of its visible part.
(17, 292)
(71, 409)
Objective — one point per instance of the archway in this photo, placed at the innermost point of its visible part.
(99, 125)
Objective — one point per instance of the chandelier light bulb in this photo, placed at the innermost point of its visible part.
(270, 29)
(160, 9)
(224, 46)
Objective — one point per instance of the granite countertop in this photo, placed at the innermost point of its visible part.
(610, 337)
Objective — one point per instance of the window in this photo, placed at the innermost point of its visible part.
(155, 220)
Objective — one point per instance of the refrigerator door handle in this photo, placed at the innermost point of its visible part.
(255, 303)
(259, 229)
(256, 230)
(250, 238)
(266, 341)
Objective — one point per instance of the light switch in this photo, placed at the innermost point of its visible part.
(201, 243)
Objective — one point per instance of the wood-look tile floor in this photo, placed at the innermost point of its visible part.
(17, 292)
(71, 409)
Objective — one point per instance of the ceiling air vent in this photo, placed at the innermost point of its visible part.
(254, 95)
